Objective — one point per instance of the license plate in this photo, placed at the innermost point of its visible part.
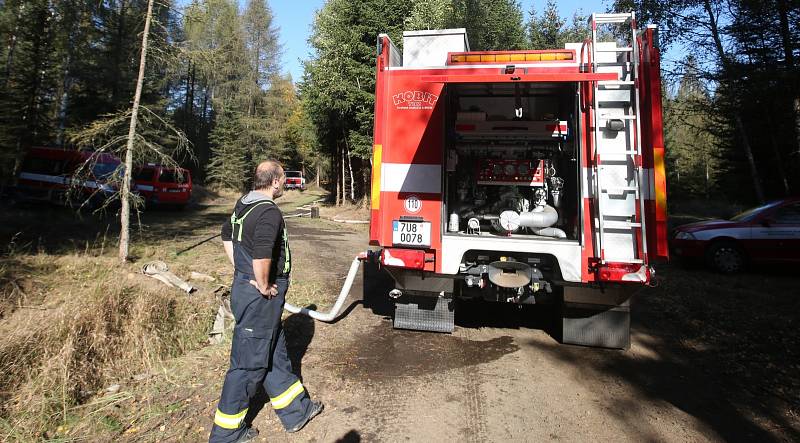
(411, 233)
(175, 190)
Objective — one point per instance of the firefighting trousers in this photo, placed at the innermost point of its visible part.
(258, 359)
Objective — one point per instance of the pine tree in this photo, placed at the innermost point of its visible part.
(551, 31)
(429, 14)
(545, 32)
(28, 81)
(339, 82)
(491, 24)
(230, 161)
(262, 41)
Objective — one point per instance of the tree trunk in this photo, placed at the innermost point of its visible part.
(785, 32)
(186, 110)
(62, 107)
(12, 44)
(191, 92)
(776, 152)
(365, 176)
(788, 53)
(344, 176)
(319, 171)
(350, 167)
(205, 107)
(336, 174)
(118, 53)
(67, 78)
(30, 116)
(124, 236)
(796, 155)
(749, 154)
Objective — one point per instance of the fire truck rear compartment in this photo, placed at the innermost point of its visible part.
(511, 166)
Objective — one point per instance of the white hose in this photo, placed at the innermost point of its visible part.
(352, 222)
(550, 232)
(330, 316)
(541, 217)
(301, 214)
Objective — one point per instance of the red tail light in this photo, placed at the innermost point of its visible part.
(632, 272)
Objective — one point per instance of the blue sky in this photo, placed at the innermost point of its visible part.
(294, 17)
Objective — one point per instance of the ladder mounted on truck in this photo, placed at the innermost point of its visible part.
(619, 220)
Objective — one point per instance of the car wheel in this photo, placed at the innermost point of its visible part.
(726, 257)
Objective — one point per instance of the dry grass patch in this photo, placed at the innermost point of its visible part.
(96, 323)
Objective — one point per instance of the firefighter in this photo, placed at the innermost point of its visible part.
(256, 242)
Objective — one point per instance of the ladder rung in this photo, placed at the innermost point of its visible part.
(617, 117)
(604, 160)
(605, 154)
(620, 188)
(624, 64)
(628, 260)
(615, 83)
(622, 49)
(620, 225)
(611, 18)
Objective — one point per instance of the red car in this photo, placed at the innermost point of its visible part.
(768, 233)
(161, 185)
(295, 180)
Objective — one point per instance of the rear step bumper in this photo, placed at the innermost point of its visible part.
(427, 314)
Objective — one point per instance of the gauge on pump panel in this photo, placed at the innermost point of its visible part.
(510, 170)
(497, 170)
(524, 169)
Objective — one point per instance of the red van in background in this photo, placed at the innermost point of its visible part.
(47, 174)
(295, 180)
(162, 185)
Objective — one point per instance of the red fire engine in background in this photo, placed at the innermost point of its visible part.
(50, 174)
(520, 177)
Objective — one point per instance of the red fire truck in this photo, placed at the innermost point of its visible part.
(520, 176)
(48, 174)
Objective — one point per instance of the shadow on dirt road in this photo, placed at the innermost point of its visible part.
(716, 347)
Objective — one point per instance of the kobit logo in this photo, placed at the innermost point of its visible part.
(415, 100)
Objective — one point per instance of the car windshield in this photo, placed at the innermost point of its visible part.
(171, 176)
(293, 174)
(750, 213)
(144, 175)
(104, 170)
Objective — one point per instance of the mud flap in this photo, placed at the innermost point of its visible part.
(425, 314)
(593, 318)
